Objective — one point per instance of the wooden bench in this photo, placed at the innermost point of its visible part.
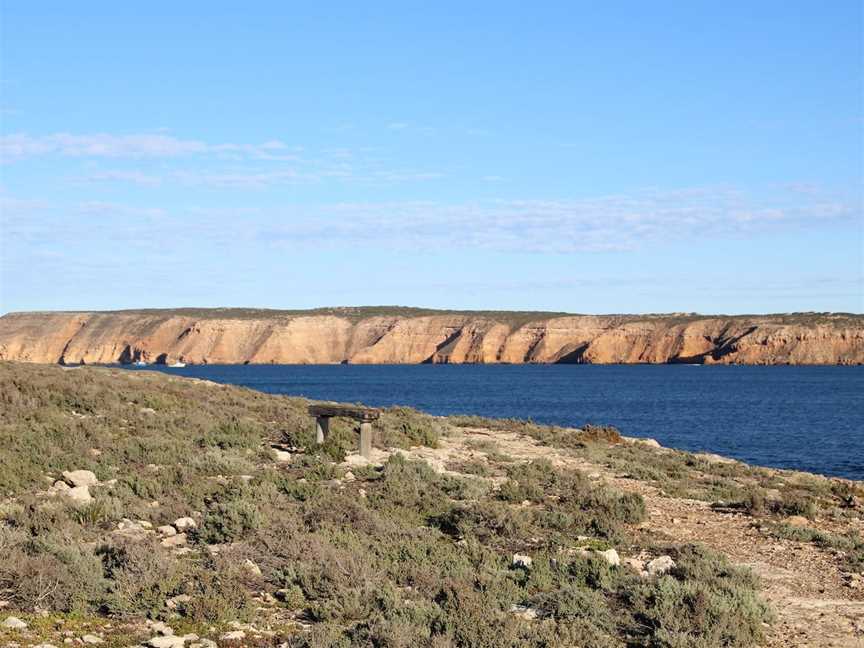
(323, 412)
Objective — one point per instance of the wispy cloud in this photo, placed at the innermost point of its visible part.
(602, 224)
(135, 177)
(18, 146)
(407, 126)
(611, 223)
(244, 179)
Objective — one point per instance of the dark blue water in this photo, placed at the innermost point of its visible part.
(806, 418)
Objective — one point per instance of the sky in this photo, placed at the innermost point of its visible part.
(568, 156)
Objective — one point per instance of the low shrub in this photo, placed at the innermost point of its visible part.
(228, 521)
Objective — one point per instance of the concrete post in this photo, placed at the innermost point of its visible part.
(366, 440)
(322, 429)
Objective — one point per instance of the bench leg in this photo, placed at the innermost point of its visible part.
(322, 429)
(366, 440)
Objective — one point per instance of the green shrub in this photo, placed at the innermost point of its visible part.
(404, 427)
(218, 593)
(141, 577)
(703, 601)
(228, 521)
(231, 434)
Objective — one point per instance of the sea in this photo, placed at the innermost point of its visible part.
(803, 418)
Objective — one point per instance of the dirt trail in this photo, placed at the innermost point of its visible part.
(802, 582)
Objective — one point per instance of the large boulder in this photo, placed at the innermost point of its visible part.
(80, 477)
(80, 495)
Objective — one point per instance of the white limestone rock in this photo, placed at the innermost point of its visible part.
(184, 523)
(522, 561)
(14, 623)
(80, 478)
(660, 565)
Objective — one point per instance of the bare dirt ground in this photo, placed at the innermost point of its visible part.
(803, 583)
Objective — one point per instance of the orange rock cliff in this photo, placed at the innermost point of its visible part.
(409, 336)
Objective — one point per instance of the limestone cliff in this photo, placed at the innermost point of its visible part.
(382, 335)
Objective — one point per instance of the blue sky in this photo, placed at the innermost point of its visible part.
(587, 157)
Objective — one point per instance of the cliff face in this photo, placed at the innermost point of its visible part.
(320, 338)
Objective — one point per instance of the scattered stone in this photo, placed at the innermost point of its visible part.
(167, 530)
(349, 476)
(251, 568)
(92, 639)
(361, 492)
(204, 643)
(161, 628)
(166, 641)
(132, 530)
(176, 601)
(44, 645)
(153, 504)
(634, 563)
(14, 623)
(183, 523)
(611, 556)
(246, 478)
(80, 495)
(174, 541)
(797, 521)
(651, 443)
(95, 452)
(80, 477)
(522, 561)
(144, 524)
(282, 456)
(233, 634)
(524, 612)
(660, 565)
(59, 488)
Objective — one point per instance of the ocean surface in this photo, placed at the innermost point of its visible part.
(806, 418)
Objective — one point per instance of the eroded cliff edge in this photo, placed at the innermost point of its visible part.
(410, 336)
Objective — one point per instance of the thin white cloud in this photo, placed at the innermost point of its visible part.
(610, 223)
(306, 173)
(18, 146)
(135, 177)
(601, 224)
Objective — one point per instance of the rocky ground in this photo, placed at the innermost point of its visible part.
(817, 603)
(165, 492)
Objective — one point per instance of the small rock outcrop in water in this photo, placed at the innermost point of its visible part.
(406, 336)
